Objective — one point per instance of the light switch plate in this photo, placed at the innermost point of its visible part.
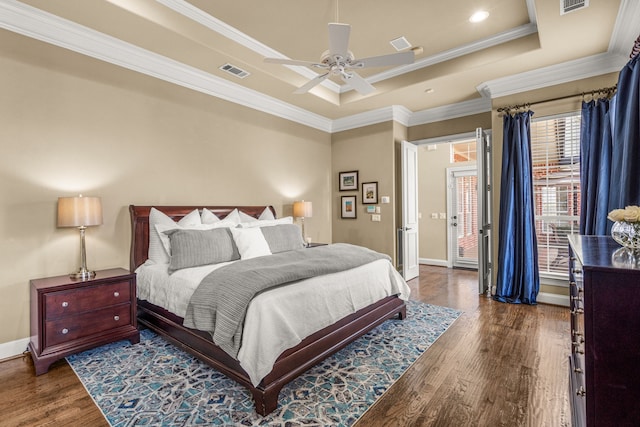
(375, 218)
(443, 215)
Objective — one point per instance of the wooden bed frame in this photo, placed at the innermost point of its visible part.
(292, 362)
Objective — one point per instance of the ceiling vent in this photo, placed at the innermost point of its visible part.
(400, 43)
(567, 6)
(232, 69)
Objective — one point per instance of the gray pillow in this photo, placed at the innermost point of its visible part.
(192, 248)
(283, 237)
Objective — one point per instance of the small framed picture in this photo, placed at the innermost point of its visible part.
(369, 193)
(348, 207)
(348, 181)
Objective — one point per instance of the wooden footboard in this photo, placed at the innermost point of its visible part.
(290, 364)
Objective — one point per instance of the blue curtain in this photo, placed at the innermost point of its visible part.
(625, 159)
(518, 279)
(595, 166)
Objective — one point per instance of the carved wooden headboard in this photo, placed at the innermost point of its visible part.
(140, 224)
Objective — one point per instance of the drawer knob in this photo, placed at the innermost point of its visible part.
(65, 304)
(116, 294)
(65, 331)
(116, 318)
(577, 271)
(581, 391)
(577, 311)
(577, 370)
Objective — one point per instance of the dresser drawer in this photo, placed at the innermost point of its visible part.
(577, 395)
(75, 301)
(73, 327)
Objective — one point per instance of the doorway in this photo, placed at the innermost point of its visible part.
(462, 212)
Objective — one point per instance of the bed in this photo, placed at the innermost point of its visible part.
(291, 362)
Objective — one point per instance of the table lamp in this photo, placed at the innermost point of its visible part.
(303, 210)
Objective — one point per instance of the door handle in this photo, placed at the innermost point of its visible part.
(455, 224)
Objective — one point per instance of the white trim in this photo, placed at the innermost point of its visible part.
(569, 71)
(436, 262)
(625, 30)
(555, 299)
(451, 111)
(13, 348)
(396, 113)
(449, 138)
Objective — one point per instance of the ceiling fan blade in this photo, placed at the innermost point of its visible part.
(358, 83)
(399, 58)
(339, 39)
(294, 62)
(311, 83)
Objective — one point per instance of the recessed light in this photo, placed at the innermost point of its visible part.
(479, 16)
(429, 90)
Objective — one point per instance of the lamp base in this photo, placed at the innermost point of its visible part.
(83, 275)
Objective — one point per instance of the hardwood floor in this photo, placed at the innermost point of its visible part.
(497, 365)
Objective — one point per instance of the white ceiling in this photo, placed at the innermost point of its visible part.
(524, 44)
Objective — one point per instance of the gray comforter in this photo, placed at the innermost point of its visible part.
(220, 303)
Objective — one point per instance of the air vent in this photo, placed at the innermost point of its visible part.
(232, 69)
(400, 43)
(567, 6)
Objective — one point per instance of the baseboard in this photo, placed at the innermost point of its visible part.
(13, 348)
(430, 261)
(555, 299)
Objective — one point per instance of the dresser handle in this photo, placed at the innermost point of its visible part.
(577, 311)
(581, 391)
(577, 370)
(577, 334)
(579, 351)
(65, 331)
(578, 298)
(578, 342)
(116, 294)
(577, 271)
(116, 318)
(65, 304)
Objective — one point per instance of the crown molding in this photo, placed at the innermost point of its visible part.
(451, 111)
(625, 30)
(35, 23)
(396, 113)
(553, 75)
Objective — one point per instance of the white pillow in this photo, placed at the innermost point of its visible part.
(266, 215)
(250, 242)
(157, 252)
(266, 223)
(208, 217)
(244, 218)
(234, 216)
(166, 241)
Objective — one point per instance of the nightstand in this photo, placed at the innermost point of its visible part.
(69, 316)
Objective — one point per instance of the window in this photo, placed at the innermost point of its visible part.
(463, 151)
(555, 154)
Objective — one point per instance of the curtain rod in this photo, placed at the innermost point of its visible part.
(608, 91)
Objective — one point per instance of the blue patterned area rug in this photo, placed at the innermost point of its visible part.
(154, 383)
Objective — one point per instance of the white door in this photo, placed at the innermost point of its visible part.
(463, 216)
(485, 255)
(409, 230)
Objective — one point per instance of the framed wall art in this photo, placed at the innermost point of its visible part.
(348, 207)
(348, 181)
(369, 193)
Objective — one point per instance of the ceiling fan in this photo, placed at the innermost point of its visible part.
(340, 61)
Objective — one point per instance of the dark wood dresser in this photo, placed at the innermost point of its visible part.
(604, 377)
(68, 316)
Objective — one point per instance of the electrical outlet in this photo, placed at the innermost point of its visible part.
(443, 215)
(375, 218)
(434, 215)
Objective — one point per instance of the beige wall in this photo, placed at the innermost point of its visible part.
(370, 151)
(71, 124)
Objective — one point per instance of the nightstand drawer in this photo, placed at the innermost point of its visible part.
(90, 323)
(75, 301)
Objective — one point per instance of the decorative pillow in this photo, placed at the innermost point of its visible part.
(285, 237)
(157, 252)
(192, 248)
(234, 216)
(166, 242)
(266, 223)
(250, 242)
(244, 218)
(208, 217)
(266, 215)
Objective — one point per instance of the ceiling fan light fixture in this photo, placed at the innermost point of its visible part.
(479, 16)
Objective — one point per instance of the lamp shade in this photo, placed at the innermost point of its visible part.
(302, 209)
(79, 211)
